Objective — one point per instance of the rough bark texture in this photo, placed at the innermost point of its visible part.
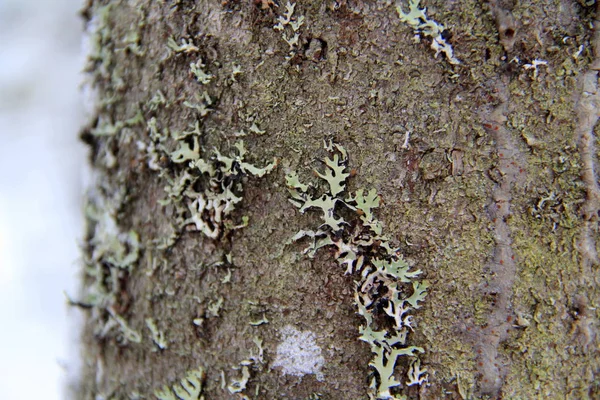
(493, 193)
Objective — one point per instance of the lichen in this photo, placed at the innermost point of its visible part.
(238, 386)
(197, 69)
(417, 19)
(204, 191)
(287, 20)
(158, 337)
(112, 254)
(387, 288)
(186, 46)
(189, 388)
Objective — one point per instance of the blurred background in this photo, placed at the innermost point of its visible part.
(41, 168)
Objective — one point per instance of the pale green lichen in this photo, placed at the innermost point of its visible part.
(293, 183)
(209, 209)
(259, 358)
(256, 362)
(132, 43)
(227, 277)
(235, 71)
(185, 46)
(197, 69)
(186, 152)
(417, 19)
(388, 287)
(189, 388)
(239, 385)
(112, 254)
(255, 129)
(158, 336)
(416, 375)
(107, 128)
(334, 174)
(288, 20)
(128, 333)
(215, 307)
(259, 322)
(205, 191)
(204, 187)
(201, 105)
(157, 101)
(100, 43)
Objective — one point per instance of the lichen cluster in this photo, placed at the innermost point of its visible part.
(293, 24)
(189, 388)
(112, 255)
(204, 191)
(388, 288)
(417, 19)
(249, 366)
(204, 186)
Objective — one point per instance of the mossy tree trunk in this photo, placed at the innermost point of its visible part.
(484, 163)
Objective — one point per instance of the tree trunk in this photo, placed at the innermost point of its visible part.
(478, 139)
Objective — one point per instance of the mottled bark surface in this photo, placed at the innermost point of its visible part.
(488, 194)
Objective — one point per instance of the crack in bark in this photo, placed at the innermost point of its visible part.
(587, 108)
(502, 268)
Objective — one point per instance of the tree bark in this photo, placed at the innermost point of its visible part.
(483, 157)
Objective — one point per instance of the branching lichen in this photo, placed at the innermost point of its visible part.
(287, 20)
(158, 337)
(204, 188)
(417, 19)
(238, 386)
(205, 191)
(185, 46)
(387, 289)
(112, 254)
(197, 69)
(208, 210)
(189, 388)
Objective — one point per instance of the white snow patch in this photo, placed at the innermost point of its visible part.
(299, 354)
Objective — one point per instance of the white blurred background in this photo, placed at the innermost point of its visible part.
(41, 167)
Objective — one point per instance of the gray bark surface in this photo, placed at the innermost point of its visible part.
(493, 194)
